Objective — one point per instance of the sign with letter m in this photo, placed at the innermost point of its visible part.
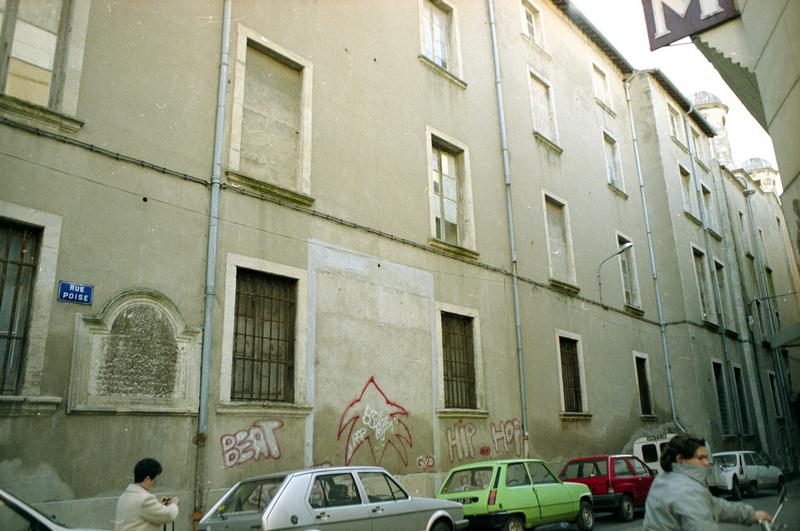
(670, 20)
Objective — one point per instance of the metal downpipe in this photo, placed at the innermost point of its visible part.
(653, 269)
(510, 213)
(712, 271)
(211, 257)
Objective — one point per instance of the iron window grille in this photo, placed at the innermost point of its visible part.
(459, 362)
(19, 245)
(570, 375)
(264, 330)
(644, 387)
(721, 398)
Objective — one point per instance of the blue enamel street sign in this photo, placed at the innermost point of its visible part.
(77, 293)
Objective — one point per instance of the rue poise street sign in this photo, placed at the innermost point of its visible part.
(74, 292)
(670, 20)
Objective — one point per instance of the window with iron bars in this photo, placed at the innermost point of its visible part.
(264, 334)
(570, 375)
(19, 247)
(740, 395)
(722, 398)
(459, 362)
(644, 386)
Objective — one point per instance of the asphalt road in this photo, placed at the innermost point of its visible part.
(766, 501)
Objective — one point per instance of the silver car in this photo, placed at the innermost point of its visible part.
(737, 473)
(16, 515)
(340, 499)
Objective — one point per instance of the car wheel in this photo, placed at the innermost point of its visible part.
(736, 491)
(625, 510)
(585, 519)
(441, 525)
(752, 490)
(514, 524)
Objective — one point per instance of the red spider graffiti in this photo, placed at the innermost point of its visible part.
(376, 420)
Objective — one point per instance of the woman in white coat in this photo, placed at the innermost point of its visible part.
(137, 508)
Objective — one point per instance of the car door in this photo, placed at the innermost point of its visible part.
(243, 506)
(622, 477)
(555, 501)
(517, 493)
(391, 509)
(336, 504)
(644, 479)
(767, 475)
(751, 470)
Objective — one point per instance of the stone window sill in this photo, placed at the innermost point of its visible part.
(239, 180)
(702, 164)
(453, 249)
(259, 408)
(716, 235)
(634, 310)
(694, 219)
(457, 81)
(571, 415)
(710, 325)
(649, 418)
(450, 413)
(564, 287)
(20, 406)
(33, 115)
(605, 106)
(536, 46)
(546, 142)
(679, 144)
(617, 190)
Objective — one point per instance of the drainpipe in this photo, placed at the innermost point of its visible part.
(510, 212)
(653, 270)
(762, 286)
(712, 271)
(211, 262)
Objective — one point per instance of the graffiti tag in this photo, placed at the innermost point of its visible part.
(507, 436)
(426, 462)
(256, 442)
(459, 441)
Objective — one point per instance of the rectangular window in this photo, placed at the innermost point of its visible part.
(532, 23)
(742, 399)
(613, 168)
(627, 264)
(701, 151)
(687, 188)
(676, 124)
(722, 399)
(745, 233)
(459, 362)
(19, 246)
(542, 108)
(643, 382)
(561, 264)
(702, 283)
(572, 385)
(725, 301)
(711, 211)
(264, 336)
(762, 242)
(600, 85)
(436, 30)
(33, 34)
(773, 388)
(445, 191)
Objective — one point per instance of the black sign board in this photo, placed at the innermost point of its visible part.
(670, 20)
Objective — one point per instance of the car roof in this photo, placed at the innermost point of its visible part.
(327, 470)
(495, 462)
(734, 452)
(596, 457)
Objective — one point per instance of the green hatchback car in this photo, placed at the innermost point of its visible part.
(516, 494)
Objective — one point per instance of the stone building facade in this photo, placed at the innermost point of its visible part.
(400, 273)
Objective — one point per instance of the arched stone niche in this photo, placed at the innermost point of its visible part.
(136, 356)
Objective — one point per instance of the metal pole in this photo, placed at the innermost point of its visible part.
(510, 213)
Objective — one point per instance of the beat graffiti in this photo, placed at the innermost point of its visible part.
(375, 420)
(259, 441)
(459, 441)
(507, 436)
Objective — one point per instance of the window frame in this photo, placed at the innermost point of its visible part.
(248, 38)
(610, 141)
(772, 379)
(571, 265)
(466, 225)
(633, 272)
(688, 191)
(600, 82)
(742, 399)
(643, 356)
(455, 64)
(234, 262)
(722, 384)
(705, 296)
(709, 204)
(535, 76)
(44, 285)
(581, 373)
(477, 355)
(538, 38)
(676, 130)
(727, 301)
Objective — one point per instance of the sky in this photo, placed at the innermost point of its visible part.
(622, 23)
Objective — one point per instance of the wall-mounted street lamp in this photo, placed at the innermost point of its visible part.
(625, 247)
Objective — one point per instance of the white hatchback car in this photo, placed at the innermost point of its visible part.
(741, 472)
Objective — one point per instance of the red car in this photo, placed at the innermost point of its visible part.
(618, 483)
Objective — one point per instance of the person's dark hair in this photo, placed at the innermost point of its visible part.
(146, 468)
(683, 444)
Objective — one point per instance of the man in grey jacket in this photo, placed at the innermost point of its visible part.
(680, 500)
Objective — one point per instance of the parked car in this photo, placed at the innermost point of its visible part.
(619, 483)
(330, 499)
(16, 515)
(515, 494)
(740, 472)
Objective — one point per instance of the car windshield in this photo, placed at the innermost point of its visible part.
(726, 460)
(251, 496)
(469, 479)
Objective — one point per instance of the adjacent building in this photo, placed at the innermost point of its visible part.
(410, 252)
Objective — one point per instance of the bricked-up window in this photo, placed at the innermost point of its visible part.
(742, 399)
(264, 330)
(721, 397)
(19, 246)
(644, 386)
(570, 375)
(459, 361)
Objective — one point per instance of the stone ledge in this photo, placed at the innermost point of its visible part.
(239, 180)
(451, 413)
(546, 142)
(453, 249)
(443, 72)
(575, 416)
(617, 190)
(259, 408)
(20, 406)
(564, 287)
(34, 115)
